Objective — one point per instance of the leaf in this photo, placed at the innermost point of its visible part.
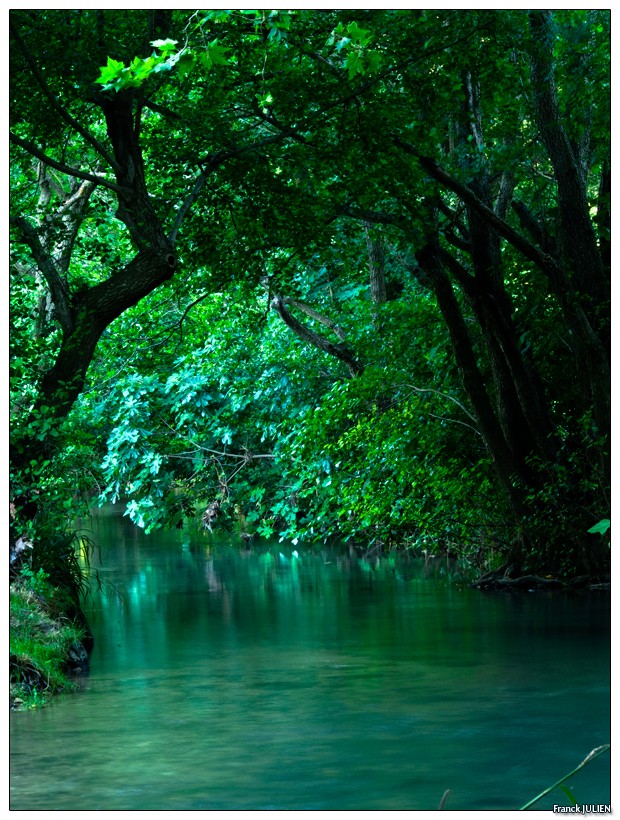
(165, 46)
(185, 64)
(215, 54)
(110, 72)
(142, 68)
(359, 35)
(264, 99)
(569, 794)
(354, 64)
(374, 60)
(602, 526)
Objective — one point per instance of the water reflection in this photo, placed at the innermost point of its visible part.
(226, 678)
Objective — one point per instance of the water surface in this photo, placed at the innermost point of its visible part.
(224, 679)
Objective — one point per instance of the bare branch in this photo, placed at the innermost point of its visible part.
(445, 396)
(456, 421)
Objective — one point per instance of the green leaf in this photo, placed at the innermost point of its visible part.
(142, 68)
(354, 64)
(110, 72)
(264, 99)
(215, 54)
(601, 527)
(359, 35)
(569, 794)
(185, 64)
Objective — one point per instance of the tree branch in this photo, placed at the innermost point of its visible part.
(84, 132)
(305, 334)
(536, 230)
(542, 260)
(58, 288)
(445, 396)
(60, 166)
(313, 314)
(375, 217)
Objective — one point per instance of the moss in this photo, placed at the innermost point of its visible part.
(41, 642)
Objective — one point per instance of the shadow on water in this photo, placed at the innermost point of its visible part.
(313, 679)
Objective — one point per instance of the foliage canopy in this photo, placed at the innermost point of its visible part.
(319, 273)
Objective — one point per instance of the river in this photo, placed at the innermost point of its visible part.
(283, 678)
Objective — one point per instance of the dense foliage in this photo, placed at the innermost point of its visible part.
(316, 274)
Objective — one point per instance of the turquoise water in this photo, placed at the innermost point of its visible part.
(226, 679)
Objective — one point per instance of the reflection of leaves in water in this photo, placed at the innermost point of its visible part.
(336, 660)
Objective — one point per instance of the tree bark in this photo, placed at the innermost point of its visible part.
(374, 243)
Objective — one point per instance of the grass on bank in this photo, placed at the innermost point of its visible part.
(40, 641)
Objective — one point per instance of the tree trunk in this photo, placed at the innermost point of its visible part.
(84, 316)
(521, 404)
(374, 242)
(473, 382)
(578, 244)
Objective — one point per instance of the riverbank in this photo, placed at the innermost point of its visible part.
(47, 650)
(505, 578)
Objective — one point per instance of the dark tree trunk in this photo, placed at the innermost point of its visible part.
(473, 382)
(586, 268)
(84, 316)
(374, 242)
(591, 353)
(521, 403)
(578, 243)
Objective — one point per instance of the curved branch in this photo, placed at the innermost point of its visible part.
(60, 166)
(445, 396)
(305, 334)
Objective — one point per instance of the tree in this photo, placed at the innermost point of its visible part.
(263, 156)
